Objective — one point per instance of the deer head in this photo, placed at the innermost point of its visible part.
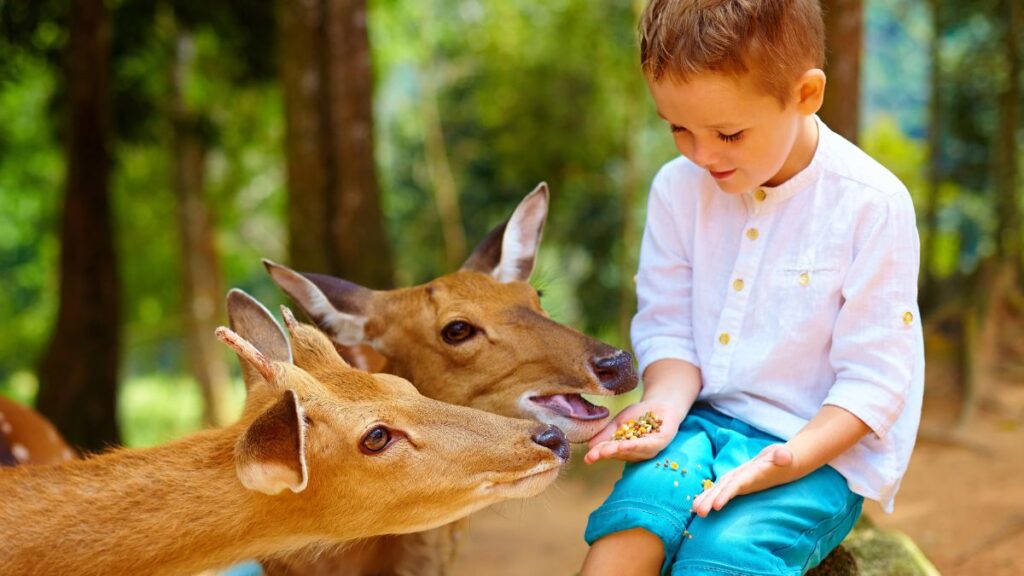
(479, 336)
(341, 436)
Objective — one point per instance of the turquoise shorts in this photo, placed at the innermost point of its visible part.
(784, 530)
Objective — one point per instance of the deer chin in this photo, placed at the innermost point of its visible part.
(526, 485)
(578, 418)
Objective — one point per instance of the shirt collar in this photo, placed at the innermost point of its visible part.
(769, 196)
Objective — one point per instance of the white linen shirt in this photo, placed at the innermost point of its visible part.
(790, 298)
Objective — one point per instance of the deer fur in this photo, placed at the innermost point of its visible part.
(294, 471)
(517, 362)
(26, 437)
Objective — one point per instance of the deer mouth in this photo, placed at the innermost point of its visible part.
(571, 406)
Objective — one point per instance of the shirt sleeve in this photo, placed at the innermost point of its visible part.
(662, 327)
(878, 330)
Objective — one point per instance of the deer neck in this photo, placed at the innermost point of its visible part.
(177, 508)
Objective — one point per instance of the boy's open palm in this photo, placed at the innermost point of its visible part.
(773, 466)
(604, 446)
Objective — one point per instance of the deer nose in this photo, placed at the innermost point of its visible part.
(553, 439)
(616, 373)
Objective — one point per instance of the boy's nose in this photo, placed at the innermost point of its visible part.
(704, 155)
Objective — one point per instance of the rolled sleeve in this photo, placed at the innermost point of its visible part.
(878, 330)
(662, 327)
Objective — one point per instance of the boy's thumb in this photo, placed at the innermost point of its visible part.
(782, 456)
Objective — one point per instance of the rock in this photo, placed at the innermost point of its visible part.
(871, 551)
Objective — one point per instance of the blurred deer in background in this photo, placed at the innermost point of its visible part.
(26, 437)
(322, 453)
(476, 337)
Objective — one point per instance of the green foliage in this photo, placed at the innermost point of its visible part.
(527, 92)
(157, 408)
(524, 91)
(31, 173)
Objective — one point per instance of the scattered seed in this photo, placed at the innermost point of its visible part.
(675, 466)
(707, 483)
(676, 483)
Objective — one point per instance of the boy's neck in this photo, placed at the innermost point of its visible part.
(802, 153)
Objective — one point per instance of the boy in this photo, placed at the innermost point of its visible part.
(778, 332)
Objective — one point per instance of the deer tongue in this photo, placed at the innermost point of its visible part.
(572, 406)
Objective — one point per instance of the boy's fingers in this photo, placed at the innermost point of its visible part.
(724, 493)
(604, 435)
(598, 452)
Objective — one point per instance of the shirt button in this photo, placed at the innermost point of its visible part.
(804, 279)
(723, 338)
(760, 195)
(737, 284)
(908, 318)
(752, 233)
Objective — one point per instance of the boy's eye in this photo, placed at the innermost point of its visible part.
(676, 129)
(730, 137)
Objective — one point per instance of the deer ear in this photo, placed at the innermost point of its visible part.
(509, 252)
(336, 306)
(251, 358)
(253, 322)
(271, 454)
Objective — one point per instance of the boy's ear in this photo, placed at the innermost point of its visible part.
(810, 91)
(509, 252)
(338, 307)
(271, 454)
(253, 322)
(248, 355)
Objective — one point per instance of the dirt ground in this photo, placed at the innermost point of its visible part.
(963, 503)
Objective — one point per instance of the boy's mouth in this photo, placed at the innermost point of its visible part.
(722, 175)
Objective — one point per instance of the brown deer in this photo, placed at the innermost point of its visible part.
(26, 437)
(322, 453)
(476, 337)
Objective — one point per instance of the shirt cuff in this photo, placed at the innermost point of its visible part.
(651, 350)
(877, 406)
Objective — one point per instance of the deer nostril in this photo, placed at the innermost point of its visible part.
(553, 439)
(616, 372)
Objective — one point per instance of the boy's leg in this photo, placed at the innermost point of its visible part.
(650, 506)
(626, 553)
(785, 530)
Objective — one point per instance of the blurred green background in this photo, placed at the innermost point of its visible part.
(473, 103)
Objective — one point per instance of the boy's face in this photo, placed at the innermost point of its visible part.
(730, 127)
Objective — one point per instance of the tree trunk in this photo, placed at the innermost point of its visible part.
(361, 247)
(928, 281)
(79, 370)
(1008, 222)
(439, 169)
(301, 31)
(997, 286)
(336, 224)
(843, 34)
(201, 285)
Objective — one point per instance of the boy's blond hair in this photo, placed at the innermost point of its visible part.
(776, 39)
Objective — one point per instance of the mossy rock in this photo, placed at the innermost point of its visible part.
(871, 551)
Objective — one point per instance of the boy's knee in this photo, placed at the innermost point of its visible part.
(725, 552)
(634, 551)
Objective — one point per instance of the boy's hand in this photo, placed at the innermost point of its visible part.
(603, 446)
(773, 466)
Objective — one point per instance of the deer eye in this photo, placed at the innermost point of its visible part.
(376, 440)
(457, 331)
